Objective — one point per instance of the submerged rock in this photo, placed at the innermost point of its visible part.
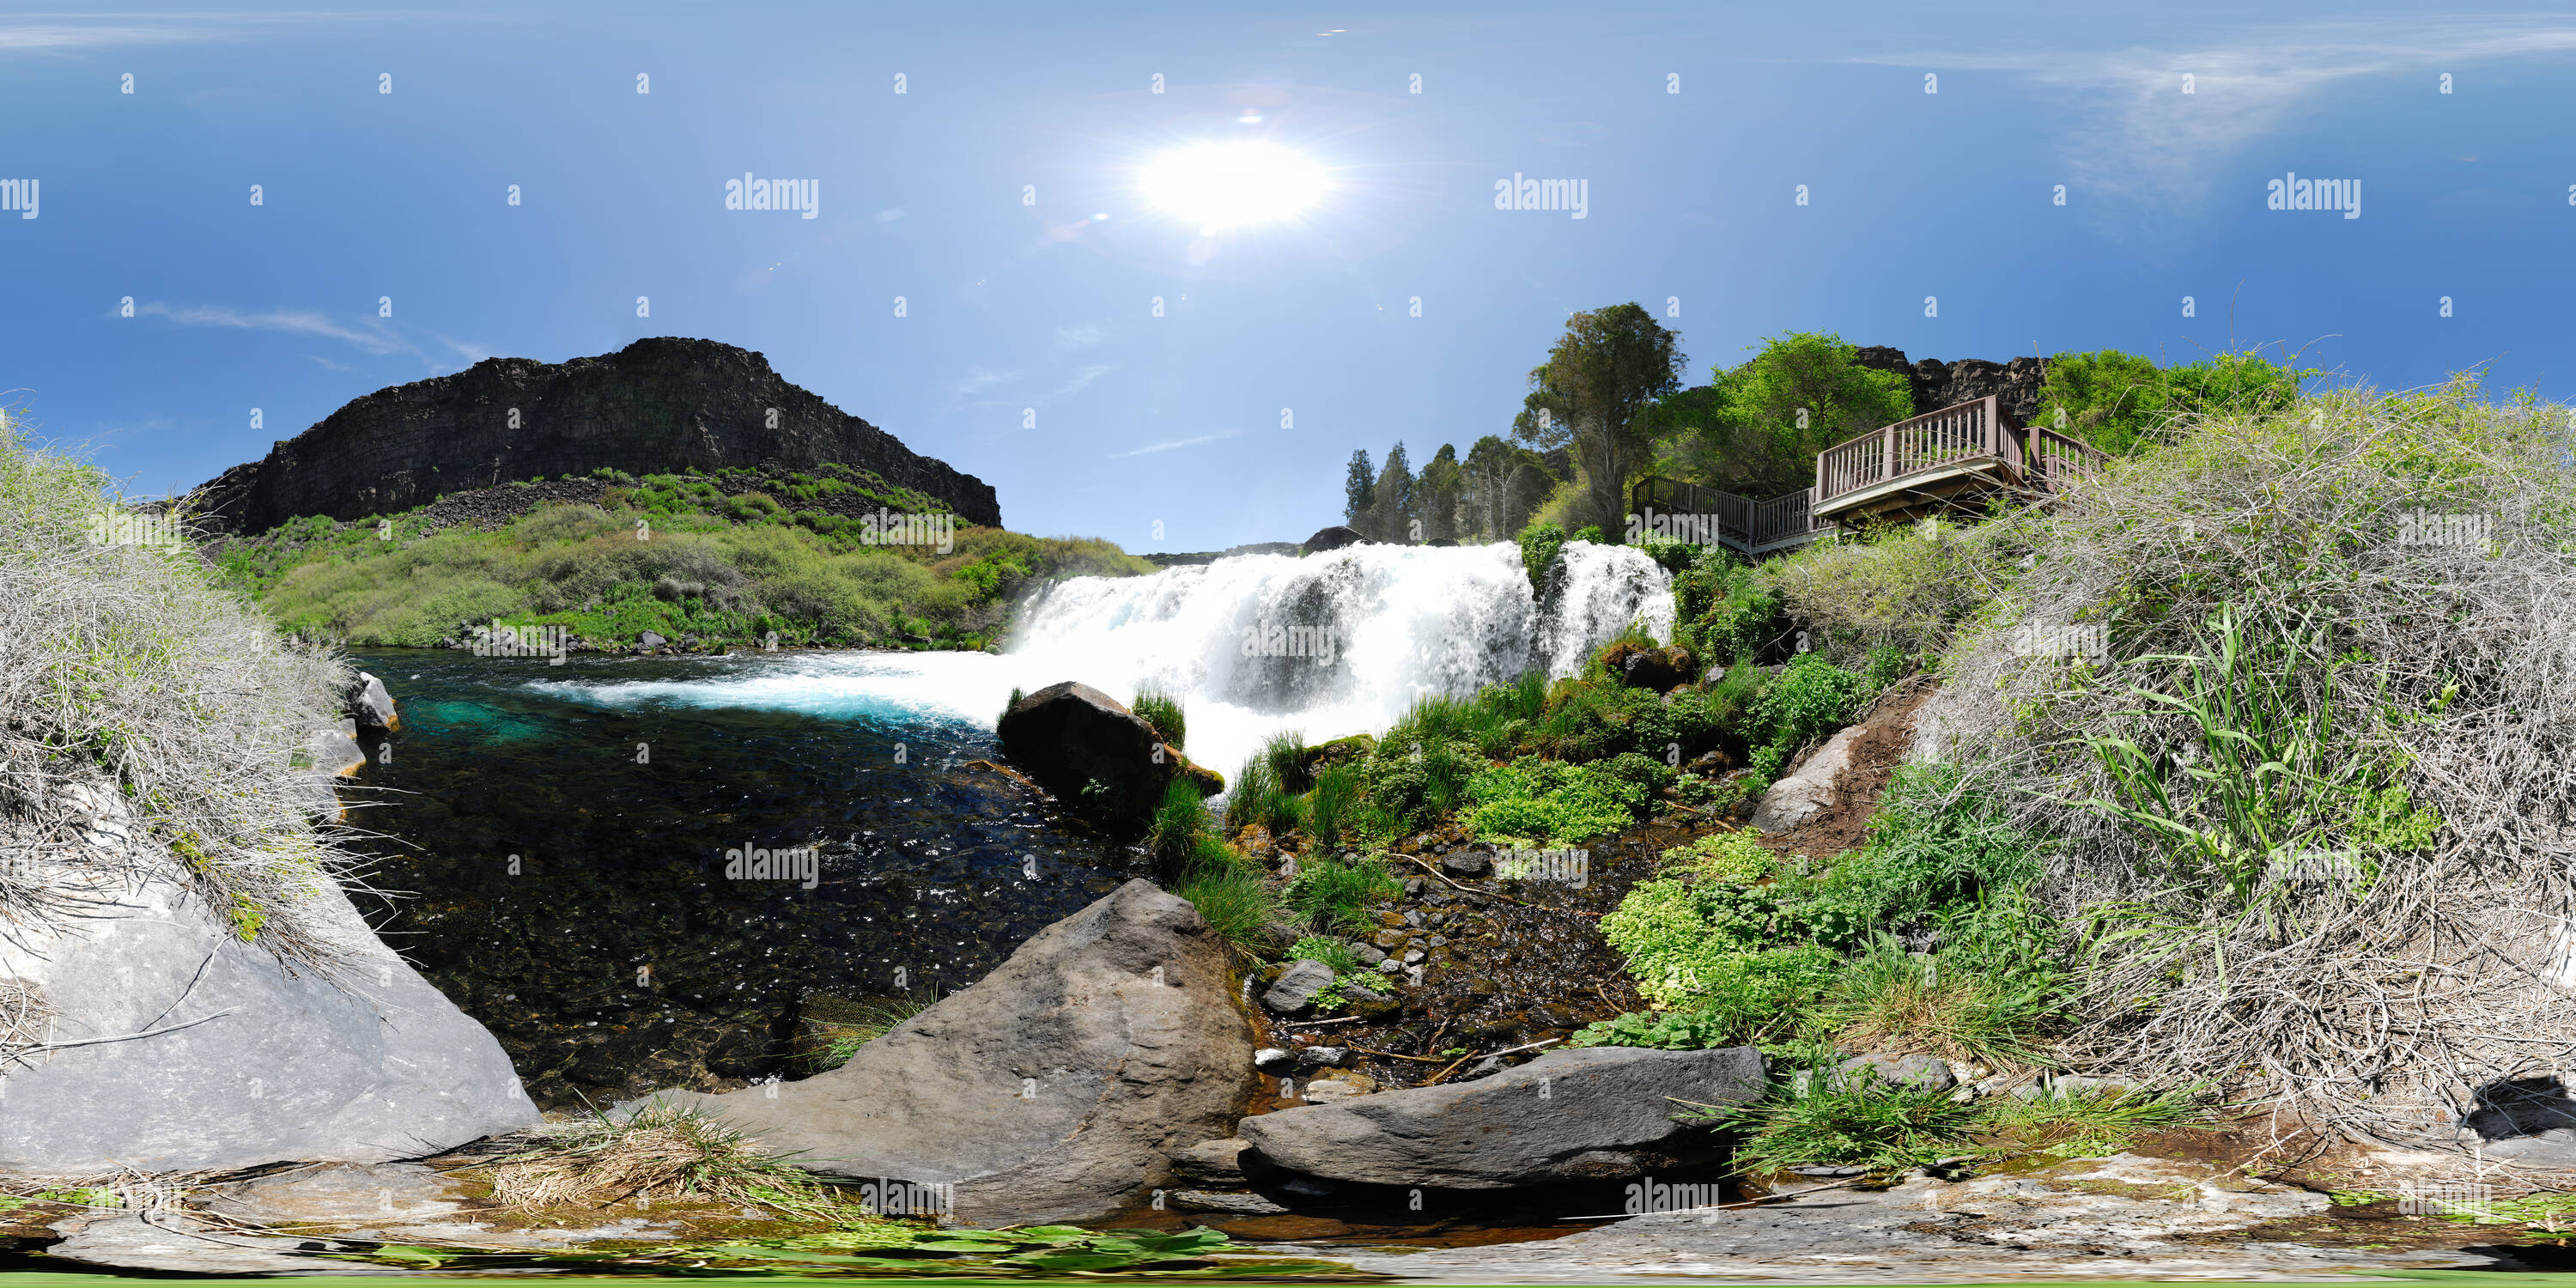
(1055, 1090)
(1601, 1113)
(1297, 986)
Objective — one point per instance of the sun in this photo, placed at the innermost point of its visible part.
(1219, 186)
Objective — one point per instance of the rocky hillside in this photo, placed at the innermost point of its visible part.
(658, 405)
(1939, 384)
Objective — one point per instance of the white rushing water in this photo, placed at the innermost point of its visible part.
(1327, 645)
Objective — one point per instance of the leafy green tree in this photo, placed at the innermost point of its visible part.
(1758, 427)
(2120, 401)
(1596, 395)
(1359, 491)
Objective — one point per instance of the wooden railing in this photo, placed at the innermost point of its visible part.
(2051, 460)
(1740, 521)
(1972, 433)
(1929, 441)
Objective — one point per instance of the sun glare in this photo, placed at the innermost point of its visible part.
(1218, 186)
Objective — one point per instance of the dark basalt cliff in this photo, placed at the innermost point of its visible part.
(656, 406)
(1939, 384)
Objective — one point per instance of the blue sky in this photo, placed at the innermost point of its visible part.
(1048, 306)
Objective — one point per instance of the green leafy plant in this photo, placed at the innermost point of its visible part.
(1331, 952)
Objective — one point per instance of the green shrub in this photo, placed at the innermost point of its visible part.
(1726, 612)
(1809, 700)
(1411, 784)
(1934, 847)
(1163, 711)
(1905, 587)
(1240, 906)
(1889, 999)
(1333, 895)
(1532, 800)
(1647, 775)
(1542, 550)
(1590, 532)
(1660, 1030)
(1286, 754)
(1849, 1121)
(1178, 823)
(1331, 806)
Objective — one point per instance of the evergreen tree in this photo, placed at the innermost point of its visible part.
(1359, 492)
(1393, 506)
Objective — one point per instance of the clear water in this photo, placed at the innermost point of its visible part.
(560, 832)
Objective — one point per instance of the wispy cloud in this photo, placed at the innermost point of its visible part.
(1080, 380)
(1177, 444)
(1069, 339)
(62, 32)
(370, 339)
(982, 379)
(2133, 134)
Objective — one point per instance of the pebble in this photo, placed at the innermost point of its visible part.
(1273, 1060)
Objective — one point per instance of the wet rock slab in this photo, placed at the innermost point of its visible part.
(1600, 1113)
(2121, 1217)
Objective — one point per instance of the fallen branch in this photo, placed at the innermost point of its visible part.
(1481, 894)
(1527, 1046)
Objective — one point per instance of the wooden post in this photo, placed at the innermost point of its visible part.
(1887, 453)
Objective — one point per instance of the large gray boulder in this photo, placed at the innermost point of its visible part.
(1332, 538)
(371, 706)
(1808, 792)
(1054, 1090)
(1088, 749)
(152, 1037)
(1597, 1114)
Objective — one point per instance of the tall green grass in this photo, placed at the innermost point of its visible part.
(1161, 709)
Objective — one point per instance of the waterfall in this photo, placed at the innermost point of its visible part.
(1327, 645)
(1334, 643)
